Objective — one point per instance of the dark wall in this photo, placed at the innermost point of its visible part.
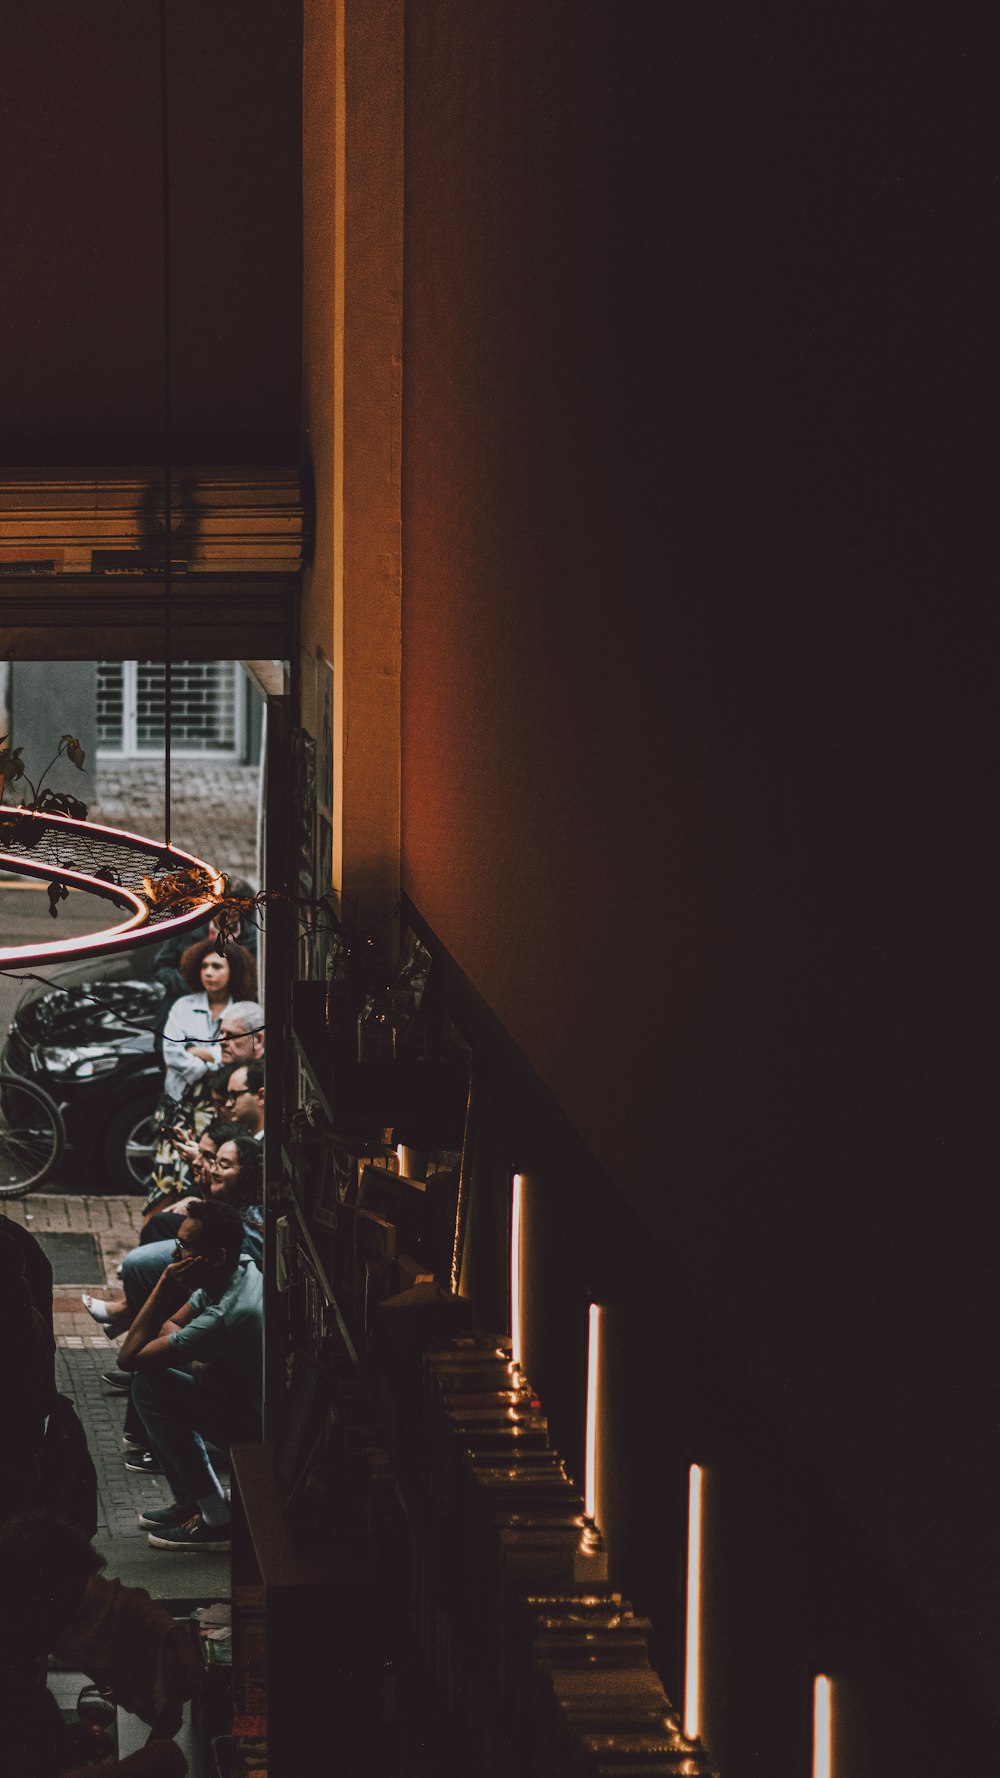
(793, 1584)
(698, 668)
(81, 318)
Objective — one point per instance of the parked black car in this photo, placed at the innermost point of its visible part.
(87, 1038)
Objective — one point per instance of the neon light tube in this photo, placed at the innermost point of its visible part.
(692, 1636)
(515, 1271)
(593, 1408)
(822, 1727)
(138, 928)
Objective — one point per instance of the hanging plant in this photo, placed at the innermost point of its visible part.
(45, 802)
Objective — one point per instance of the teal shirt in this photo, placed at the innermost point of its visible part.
(228, 1334)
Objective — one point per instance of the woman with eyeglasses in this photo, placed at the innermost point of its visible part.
(198, 1155)
(230, 1167)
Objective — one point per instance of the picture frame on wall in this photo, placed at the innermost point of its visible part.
(323, 801)
(324, 735)
(326, 1199)
(305, 803)
(324, 853)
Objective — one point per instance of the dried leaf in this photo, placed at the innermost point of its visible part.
(74, 751)
(11, 763)
(178, 890)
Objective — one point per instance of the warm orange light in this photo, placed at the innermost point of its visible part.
(822, 1727)
(692, 1639)
(515, 1270)
(593, 1410)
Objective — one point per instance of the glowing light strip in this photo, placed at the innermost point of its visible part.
(692, 1636)
(822, 1728)
(593, 1389)
(112, 938)
(515, 1270)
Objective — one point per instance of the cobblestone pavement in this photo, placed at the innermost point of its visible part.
(82, 1354)
(213, 807)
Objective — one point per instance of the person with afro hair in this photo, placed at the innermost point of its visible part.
(219, 975)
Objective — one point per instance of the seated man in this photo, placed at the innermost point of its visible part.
(244, 1098)
(53, 1600)
(241, 1034)
(195, 1351)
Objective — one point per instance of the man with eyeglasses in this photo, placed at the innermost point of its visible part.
(241, 1034)
(243, 1100)
(195, 1351)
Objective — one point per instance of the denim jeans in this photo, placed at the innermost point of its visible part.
(140, 1270)
(178, 1412)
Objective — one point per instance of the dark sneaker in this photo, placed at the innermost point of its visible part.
(161, 1518)
(133, 1444)
(120, 1380)
(193, 1535)
(143, 1463)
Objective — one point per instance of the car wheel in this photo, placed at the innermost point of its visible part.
(130, 1146)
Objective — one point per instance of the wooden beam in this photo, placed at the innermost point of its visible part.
(80, 618)
(101, 521)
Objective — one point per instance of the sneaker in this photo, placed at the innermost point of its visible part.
(194, 1534)
(120, 1380)
(160, 1518)
(143, 1463)
(133, 1444)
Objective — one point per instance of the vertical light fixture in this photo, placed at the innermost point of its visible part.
(593, 1410)
(692, 1628)
(822, 1766)
(516, 1347)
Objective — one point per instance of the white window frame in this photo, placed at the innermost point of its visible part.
(130, 698)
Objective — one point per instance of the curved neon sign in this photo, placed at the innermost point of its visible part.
(150, 859)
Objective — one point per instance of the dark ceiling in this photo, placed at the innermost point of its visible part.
(81, 309)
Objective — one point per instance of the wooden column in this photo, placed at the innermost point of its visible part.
(352, 341)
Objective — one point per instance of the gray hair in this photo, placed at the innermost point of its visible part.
(246, 1013)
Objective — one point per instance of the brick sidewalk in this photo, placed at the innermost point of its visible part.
(83, 1352)
(213, 807)
(114, 1221)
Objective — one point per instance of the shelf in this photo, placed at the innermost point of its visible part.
(324, 1283)
(424, 1100)
(309, 1633)
(279, 1559)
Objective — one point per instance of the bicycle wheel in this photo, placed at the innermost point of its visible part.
(32, 1135)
